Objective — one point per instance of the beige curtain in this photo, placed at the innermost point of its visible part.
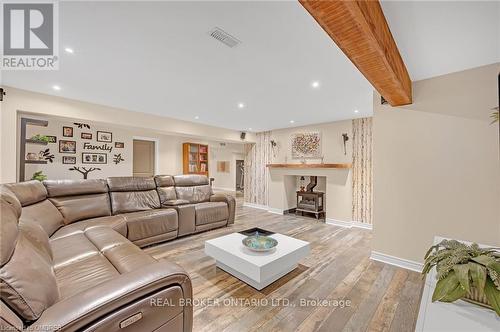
(362, 170)
(257, 156)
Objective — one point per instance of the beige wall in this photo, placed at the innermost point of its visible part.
(139, 124)
(436, 165)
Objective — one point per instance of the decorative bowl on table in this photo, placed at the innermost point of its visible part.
(257, 242)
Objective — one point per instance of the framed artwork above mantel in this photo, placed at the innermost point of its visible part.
(306, 145)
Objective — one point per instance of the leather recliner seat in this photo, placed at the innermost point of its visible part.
(70, 256)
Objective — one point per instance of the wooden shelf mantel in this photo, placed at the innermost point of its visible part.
(345, 165)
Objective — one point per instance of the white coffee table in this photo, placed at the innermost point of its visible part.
(258, 269)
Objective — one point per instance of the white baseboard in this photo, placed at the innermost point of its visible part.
(256, 206)
(348, 224)
(275, 211)
(396, 261)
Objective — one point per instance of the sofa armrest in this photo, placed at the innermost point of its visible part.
(110, 304)
(231, 204)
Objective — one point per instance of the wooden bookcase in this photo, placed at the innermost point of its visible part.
(195, 158)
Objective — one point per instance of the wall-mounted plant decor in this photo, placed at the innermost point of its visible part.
(118, 158)
(68, 131)
(52, 139)
(86, 135)
(40, 138)
(94, 158)
(46, 155)
(84, 170)
(81, 125)
(306, 145)
(104, 136)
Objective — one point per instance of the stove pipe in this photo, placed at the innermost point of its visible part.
(313, 182)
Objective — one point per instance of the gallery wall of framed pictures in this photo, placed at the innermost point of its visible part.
(65, 149)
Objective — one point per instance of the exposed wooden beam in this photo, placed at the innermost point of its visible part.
(360, 30)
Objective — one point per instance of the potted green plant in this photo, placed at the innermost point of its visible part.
(39, 176)
(40, 138)
(465, 272)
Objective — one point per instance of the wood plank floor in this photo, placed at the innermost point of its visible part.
(381, 297)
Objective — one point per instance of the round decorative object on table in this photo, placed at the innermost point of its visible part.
(259, 242)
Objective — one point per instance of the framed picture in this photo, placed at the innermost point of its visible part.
(104, 136)
(69, 160)
(94, 158)
(119, 145)
(52, 139)
(67, 146)
(306, 145)
(86, 135)
(68, 131)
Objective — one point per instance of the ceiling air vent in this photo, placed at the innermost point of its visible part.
(224, 37)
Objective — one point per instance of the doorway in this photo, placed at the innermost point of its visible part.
(240, 175)
(144, 158)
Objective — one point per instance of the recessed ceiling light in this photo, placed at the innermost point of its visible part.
(292, 121)
(69, 50)
(241, 105)
(315, 84)
(196, 117)
(356, 111)
(56, 87)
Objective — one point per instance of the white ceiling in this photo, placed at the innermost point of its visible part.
(441, 37)
(158, 58)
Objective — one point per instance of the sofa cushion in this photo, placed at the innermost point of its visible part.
(130, 183)
(79, 199)
(29, 192)
(132, 201)
(187, 180)
(8, 227)
(38, 237)
(210, 212)
(83, 274)
(43, 213)
(145, 224)
(27, 282)
(166, 194)
(194, 194)
(85, 259)
(117, 223)
(164, 181)
(131, 194)
(193, 188)
(58, 188)
(75, 208)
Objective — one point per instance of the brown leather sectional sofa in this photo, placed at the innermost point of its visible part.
(70, 256)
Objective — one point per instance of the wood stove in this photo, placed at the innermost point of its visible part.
(309, 201)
